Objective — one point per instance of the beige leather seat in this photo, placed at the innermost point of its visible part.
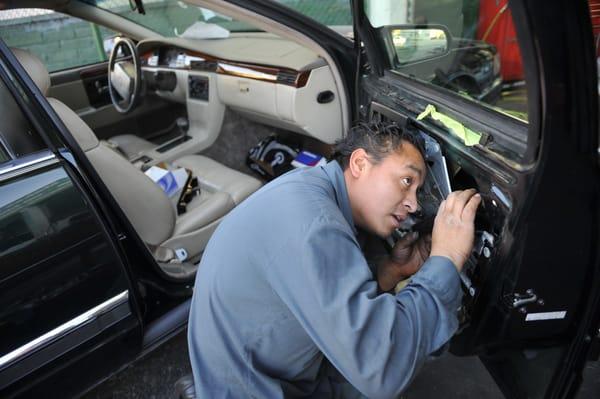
(131, 145)
(146, 206)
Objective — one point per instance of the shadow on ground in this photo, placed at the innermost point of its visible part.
(154, 376)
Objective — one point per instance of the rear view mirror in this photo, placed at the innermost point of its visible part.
(411, 43)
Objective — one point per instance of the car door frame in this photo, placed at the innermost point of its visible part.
(83, 332)
(554, 132)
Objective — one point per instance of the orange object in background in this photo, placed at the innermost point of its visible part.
(595, 16)
(496, 27)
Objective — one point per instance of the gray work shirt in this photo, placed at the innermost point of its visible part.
(283, 290)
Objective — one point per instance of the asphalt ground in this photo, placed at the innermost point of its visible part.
(448, 377)
(154, 377)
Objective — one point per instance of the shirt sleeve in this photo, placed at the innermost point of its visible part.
(377, 342)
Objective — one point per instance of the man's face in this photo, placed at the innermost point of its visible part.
(382, 195)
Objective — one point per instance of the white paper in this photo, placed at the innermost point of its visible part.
(202, 30)
(209, 14)
(159, 175)
(155, 173)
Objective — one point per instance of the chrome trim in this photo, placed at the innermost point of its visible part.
(63, 329)
(15, 168)
(7, 148)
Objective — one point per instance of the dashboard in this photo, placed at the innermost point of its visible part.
(264, 78)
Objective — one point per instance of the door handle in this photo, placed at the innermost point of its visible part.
(101, 89)
(520, 301)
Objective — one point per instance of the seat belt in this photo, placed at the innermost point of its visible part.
(169, 255)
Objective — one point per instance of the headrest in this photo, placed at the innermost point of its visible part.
(35, 68)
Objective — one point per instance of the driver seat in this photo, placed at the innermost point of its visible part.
(146, 205)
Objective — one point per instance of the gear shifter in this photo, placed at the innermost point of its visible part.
(182, 125)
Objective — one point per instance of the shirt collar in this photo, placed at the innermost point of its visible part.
(336, 176)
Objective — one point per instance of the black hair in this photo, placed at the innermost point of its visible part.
(378, 139)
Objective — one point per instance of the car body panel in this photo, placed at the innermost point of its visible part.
(54, 250)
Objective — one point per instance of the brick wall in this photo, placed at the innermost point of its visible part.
(60, 41)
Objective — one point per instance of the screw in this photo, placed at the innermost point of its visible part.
(486, 252)
(541, 302)
(523, 310)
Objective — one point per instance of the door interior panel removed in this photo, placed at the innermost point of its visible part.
(450, 170)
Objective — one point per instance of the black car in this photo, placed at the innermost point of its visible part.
(97, 262)
(469, 67)
(478, 73)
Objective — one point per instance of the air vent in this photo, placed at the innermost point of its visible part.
(286, 78)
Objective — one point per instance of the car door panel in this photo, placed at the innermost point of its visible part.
(85, 90)
(63, 285)
(505, 187)
(535, 293)
(81, 88)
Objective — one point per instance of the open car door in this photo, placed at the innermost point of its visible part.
(508, 91)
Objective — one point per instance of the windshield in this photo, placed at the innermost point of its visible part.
(173, 18)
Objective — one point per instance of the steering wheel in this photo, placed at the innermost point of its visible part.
(124, 75)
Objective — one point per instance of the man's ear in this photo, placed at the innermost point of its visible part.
(358, 162)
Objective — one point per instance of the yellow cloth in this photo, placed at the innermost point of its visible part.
(468, 136)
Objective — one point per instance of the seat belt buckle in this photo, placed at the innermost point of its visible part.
(181, 254)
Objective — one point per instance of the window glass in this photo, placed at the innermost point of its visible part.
(59, 40)
(336, 14)
(469, 47)
(327, 12)
(173, 18)
(3, 154)
(16, 132)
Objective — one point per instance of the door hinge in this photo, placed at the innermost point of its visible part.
(520, 301)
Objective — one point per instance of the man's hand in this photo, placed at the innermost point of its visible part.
(407, 257)
(454, 227)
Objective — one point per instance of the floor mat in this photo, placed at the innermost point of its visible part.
(237, 136)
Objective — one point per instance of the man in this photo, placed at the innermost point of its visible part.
(285, 304)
